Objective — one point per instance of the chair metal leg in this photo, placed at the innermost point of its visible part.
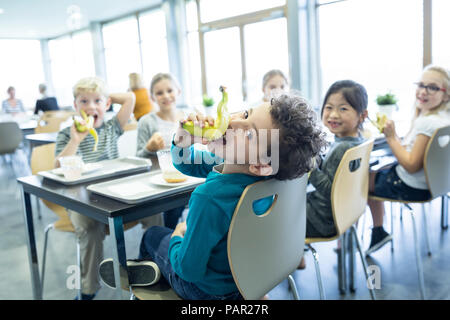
(44, 255)
(444, 212)
(293, 287)
(80, 288)
(352, 265)
(363, 226)
(418, 258)
(363, 261)
(318, 275)
(425, 226)
(342, 279)
(38, 206)
(392, 226)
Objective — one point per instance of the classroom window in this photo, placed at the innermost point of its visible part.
(223, 64)
(238, 50)
(152, 28)
(262, 56)
(21, 67)
(194, 84)
(440, 37)
(365, 41)
(71, 59)
(122, 53)
(211, 10)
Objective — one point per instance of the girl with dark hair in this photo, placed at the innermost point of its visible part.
(343, 112)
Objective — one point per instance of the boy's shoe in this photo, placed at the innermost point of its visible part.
(85, 297)
(141, 273)
(379, 238)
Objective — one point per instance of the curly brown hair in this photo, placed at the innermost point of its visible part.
(300, 137)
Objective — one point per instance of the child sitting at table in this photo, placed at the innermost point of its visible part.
(406, 179)
(343, 113)
(274, 82)
(91, 96)
(155, 130)
(193, 257)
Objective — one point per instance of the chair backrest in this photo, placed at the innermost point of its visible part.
(350, 187)
(131, 126)
(127, 143)
(10, 137)
(263, 250)
(49, 125)
(437, 162)
(43, 159)
(50, 121)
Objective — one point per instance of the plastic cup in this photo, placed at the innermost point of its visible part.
(169, 173)
(72, 167)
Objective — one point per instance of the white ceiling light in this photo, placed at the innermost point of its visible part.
(1, 10)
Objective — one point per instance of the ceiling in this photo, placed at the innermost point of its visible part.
(40, 19)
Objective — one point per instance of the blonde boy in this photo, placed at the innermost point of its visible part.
(91, 95)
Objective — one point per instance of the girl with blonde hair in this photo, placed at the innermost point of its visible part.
(406, 180)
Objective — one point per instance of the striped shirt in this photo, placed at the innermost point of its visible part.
(107, 149)
(8, 108)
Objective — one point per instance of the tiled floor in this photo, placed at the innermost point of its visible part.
(398, 268)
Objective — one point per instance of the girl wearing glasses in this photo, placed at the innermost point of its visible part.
(406, 179)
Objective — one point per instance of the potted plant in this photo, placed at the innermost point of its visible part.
(387, 104)
(208, 102)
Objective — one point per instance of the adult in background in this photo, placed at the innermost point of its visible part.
(45, 103)
(12, 104)
(143, 103)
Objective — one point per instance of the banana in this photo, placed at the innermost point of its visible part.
(89, 125)
(220, 124)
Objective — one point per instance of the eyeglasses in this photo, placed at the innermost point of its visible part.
(431, 89)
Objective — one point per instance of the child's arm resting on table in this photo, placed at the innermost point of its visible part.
(127, 100)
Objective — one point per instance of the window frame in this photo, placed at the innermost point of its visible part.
(239, 21)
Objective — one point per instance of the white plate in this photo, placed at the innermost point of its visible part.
(159, 180)
(87, 168)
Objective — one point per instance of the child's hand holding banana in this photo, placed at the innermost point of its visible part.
(86, 124)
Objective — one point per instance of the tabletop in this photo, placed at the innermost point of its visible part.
(99, 207)
(49, 137)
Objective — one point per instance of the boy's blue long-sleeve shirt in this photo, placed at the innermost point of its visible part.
(200, 256)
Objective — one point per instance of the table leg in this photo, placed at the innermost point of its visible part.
(119, 256)
(32, 252)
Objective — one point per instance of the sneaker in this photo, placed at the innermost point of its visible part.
(85, 297)
(379, 238)
(141, 273)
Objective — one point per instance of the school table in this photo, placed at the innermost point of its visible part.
(106, 210)
(38, 139)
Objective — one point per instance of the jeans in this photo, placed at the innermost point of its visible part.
(155, 247)
(171, 217)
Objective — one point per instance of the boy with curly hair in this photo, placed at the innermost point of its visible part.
(278, 139)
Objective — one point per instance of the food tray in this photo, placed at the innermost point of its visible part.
(141, 187)
(106, 169)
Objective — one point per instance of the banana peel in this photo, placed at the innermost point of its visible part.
(380, 122)
(220, 124)
(89, 125)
